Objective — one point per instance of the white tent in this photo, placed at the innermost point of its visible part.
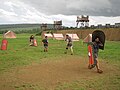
(74, 37)
(58, 36)
(88, 38)
(49, 35)
(9, 34)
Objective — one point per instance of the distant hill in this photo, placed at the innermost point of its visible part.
(23, 28)
(11, 26)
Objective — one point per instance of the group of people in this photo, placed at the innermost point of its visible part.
(96, 44)
(44, 41)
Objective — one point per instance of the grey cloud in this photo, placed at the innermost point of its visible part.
(77, 7)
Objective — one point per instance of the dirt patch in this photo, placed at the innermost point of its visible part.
(50, 74)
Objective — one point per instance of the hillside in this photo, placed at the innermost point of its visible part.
(23, 28)
(11, 26)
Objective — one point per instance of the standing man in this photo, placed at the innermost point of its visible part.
(96, 44)
(69, 44)
(45, 43)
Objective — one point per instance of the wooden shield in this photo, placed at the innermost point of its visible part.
(99, 34)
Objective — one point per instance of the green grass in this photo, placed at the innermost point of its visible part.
(19, 53)
(112, 51)
(110, 84)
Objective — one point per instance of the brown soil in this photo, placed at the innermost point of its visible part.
(50, 74)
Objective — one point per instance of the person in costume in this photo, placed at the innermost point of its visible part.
(96, 44)
(69, 44)
(45, 43)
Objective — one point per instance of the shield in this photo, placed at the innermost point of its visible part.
(99, 34)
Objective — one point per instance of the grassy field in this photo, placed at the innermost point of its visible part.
(20, 54)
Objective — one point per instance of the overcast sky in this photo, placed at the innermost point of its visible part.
(46, 11)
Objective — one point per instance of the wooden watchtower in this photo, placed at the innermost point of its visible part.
(58, 24)
(84, 20)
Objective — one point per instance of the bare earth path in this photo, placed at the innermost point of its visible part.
(49, 74)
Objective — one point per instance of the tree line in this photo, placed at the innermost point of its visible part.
(34, 30)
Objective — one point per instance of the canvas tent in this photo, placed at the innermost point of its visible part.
(49, 35)
(58, 36)
(88, 39)
(9, 34)
(74, 37)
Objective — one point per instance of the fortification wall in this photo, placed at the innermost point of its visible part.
(111, 34)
